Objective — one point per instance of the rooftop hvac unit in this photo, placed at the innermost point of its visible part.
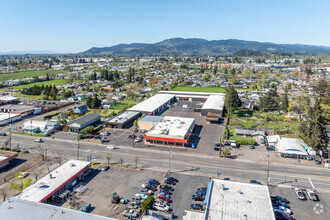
(50, 176)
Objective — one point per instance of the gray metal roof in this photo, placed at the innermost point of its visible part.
(123, 117)
(20, 209)
(152, 118)
(84, 119)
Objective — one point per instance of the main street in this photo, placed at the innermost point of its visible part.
(184, 162)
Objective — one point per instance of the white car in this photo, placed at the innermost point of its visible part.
(282, 208)
(38, 140)
(311, 194)
(161, 206)
(300, 194)
(112, 147)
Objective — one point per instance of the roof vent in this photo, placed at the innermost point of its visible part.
(239, 191)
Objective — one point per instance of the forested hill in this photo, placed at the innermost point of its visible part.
(195, 46)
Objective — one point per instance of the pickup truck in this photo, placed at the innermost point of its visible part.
(131, 212)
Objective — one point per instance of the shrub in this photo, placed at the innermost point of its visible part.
(25, 151)
(226, 152)
(147, 204)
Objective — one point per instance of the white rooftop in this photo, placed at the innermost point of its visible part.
(191, 93)
(46, 185)
(214, 102)
(152, 103)
(291, 146)
(235, 200)
(19, 209)
(174, 127)
(273, 138)
(8, 98)
(191, 215)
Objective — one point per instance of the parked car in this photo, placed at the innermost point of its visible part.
(153, 181)
(251, 146)
(38, 140)
(300, 194)
(311, 194)
(282, 208)
(255, 182)
(142, 196)
(196, 206)
(199, 196)
(282, 215)
(131, 212)
(166, 187)
(279, 198)
(3, 134)
(202, 189)
(132, 136)
(279, 203)
(216, 148)
(105, 168)
(22, 175)
(138, 139)
(217, 144)
(106, 133)
(170, 181)
(161, 206)
(318, 162)
(164, 191)
(164, 197)
(149, 186)
(86, 208)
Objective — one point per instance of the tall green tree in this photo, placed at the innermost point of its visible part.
(232, 100)
(270, 100)
(313, 131)
(285, 101)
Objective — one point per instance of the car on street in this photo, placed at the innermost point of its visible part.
(300, 194)
(112, 147)
(38, 140)
(22, 175)
(318, 162)
(251, 146)
(311, 195)
(105, 168)
(196, 206)
(3, 134)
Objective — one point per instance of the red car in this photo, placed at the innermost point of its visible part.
(164, 197)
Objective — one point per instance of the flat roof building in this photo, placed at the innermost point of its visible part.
(123, 120)
(171, 131)
(291, 147)
(6, 118)
(8, 99)
(57, 182)
(213, 108)
(191, 96)
(20, 209)
(84, 121)
(6, 157)
(153, 105)
(235, 200)
(148, 121)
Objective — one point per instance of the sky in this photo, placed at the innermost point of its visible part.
(77, 25)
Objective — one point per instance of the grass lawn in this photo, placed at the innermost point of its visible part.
(200, 89)
(55, 82)
(30, 97)
(29, 134)
(29, 74)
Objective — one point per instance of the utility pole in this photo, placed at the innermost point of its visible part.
(9, 130)
(170, 165)
(78, 146)
(133, 138)
(267, 169)
(31, 127)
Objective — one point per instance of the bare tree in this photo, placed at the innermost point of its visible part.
(107, 156)
(59, 157)
(121, 160)
(136, 160)
(42, 152)
(36, 174)
(3, 193)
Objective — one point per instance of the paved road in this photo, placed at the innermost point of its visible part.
(187, 162)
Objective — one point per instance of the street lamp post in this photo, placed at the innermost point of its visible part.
(9, 130)
(171, 157)
(78, 146)
(31, 127)
(267, 169)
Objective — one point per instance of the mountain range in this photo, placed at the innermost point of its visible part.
(197, 46)
(28, 52)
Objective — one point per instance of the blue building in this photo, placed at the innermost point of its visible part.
(81, 109)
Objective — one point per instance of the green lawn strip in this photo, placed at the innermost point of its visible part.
(200, 89)
(29, 134)
(55, 82)
(29, 74)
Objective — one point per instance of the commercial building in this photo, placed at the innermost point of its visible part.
(84, 121)
(36, 126)
(58, 183)
(8, 99)
(6, 118)
(190, 96)
(171, 130)
(123, 120)
(213, 108)
(234, 200)
(6, 157)
(20, 209)
(148, 121)
(22, 110)
(154, 105)
(292, 148)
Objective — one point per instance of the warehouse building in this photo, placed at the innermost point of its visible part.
(20, 209)
(23, 110)
(154, 105)
(6, 118)
(148, 121)
(8, 99)
(171, 130)
(123, 120)
(234, 200)
(190, 96)
(6, 157)
(213, 108)
(82, 122)
(291, 148)
(37, 126)
(57, 185)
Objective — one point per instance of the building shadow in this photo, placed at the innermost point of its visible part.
(12, 164)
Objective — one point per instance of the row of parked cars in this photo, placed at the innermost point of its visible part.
(281, 208)
(164, 195)
(310, 193)
(199, 195)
